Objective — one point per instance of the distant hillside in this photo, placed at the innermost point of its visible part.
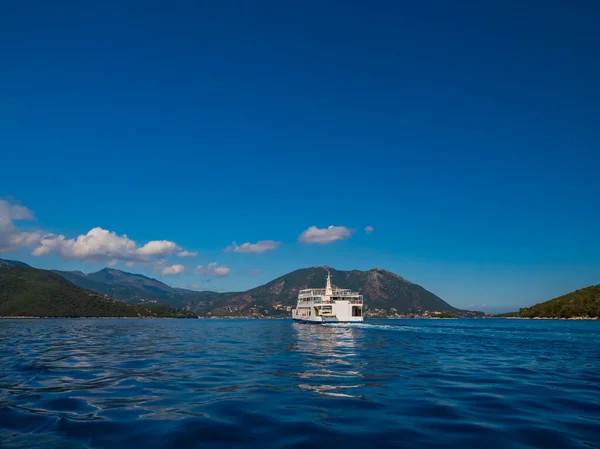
(580, 303)
(12, 263)
(26, 291)
(383, 291)
(133, 288)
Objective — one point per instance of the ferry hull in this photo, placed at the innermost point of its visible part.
(322, 322)
(342, 314)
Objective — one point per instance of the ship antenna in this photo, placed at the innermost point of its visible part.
(328, 290)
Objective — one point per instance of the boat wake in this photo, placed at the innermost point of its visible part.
(385, 327)
(398, 328)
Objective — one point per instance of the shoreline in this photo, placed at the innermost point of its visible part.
(93, 318)
(576, 318)
(274, 318)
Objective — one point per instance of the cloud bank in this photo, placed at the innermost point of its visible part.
(97, 245)
(100, 244)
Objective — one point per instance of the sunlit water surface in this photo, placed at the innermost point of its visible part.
(274, 384)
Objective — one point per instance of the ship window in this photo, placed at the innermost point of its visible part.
(356, 311)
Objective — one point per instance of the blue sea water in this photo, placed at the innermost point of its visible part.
(128, 383)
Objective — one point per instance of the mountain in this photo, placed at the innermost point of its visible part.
(385, 293)
(580, 303)
(132, 288)
(26, 291)
(12, 263)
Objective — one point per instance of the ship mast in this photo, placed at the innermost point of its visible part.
(328, 289)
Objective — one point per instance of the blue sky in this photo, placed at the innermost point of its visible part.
(465, 135)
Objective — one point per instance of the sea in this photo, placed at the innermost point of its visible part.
(212, 383)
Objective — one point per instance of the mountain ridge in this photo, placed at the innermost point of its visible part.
(131, 288)
(386, 294)
(13, 263)
(32, 292)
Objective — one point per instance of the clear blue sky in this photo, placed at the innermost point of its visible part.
(467, 134)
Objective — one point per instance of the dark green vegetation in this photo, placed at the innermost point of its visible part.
(444, 315)
(580, 303)
(385, 293)
(507, 315)
(26, 291)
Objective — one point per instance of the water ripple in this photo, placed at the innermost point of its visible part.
(274, 383)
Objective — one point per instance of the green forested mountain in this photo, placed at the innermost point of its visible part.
(26, 291)
(382, 290)
(385, 293)
(580, 303)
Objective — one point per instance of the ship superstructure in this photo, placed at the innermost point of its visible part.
(328, 305)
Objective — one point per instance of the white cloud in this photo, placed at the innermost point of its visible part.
(157, 248)
(99, 244)
(258, 247)
(113, 262)
(325, 235)
(11, 237)
(369, 229)
(187, 254)
(173, 270)
(129, 264)
(255, 272)
(212, 269)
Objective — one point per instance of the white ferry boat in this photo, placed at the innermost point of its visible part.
(328, 305)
